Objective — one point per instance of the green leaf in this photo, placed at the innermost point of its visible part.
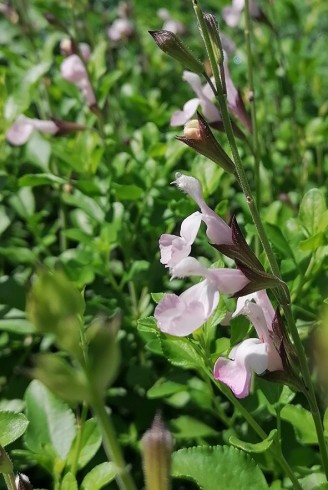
(218, 468)
(311, 244)
(128, 192)
(302, 422)
(260, 447)
(17, 325)
(90, 443)
(181, 352)
(162, 389)
(279, 241)
(69, 482)
(311, 211)
(33, 180)
(52, 422)
(12, 426)
(99, 476)
(186, 427)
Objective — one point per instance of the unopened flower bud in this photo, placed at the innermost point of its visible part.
(201, 139)
(157, 446)
(6, 465)
(192, 130)
(213, 31)
(168, 42)
(22, 482)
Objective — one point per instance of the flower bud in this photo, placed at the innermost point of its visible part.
(192, 130)
(157, 447)
(22, 482)
(200, 138)
(170, 43)
(213, 32)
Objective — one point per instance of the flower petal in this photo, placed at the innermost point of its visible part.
(182, 315)
(173, 249)
(19, 133)
(194, 81)
(228, 281)
(187, 267)
(73, 70)
(250, 355)
(190, 227)
(210, 111)
(179, 118)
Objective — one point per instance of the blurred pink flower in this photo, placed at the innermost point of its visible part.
(120, 29)
(74, 71)
(232, 14)
(218, 232)
(170, 24)
(251, 355)
(20, 132)
(67, 48)
(182, 315)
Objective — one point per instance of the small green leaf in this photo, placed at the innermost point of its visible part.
(128, 192)
(218, 468)
(260, 447)
(99, 476)
(162, 389)
(69, 482)
(181, 352)
(312, 208)
(17, 325)
(302, 422)
(90, 443)
(186, 427)
(52, 422)
(311, 244)
(33, 180)
(12, 426)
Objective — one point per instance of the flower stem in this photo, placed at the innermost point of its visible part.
(252, 100)
(77, 448)
(285, 297)
(275, 449)
(111, 445)
(10, 481)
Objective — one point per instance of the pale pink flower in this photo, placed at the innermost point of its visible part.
(74, 71)
(232, 13)
(218, 232)
(251, 355)
(22, 129)
(204, 99)
(182, 315)
(120, 29)
(170, 24)
(175, 248)
(67, 48)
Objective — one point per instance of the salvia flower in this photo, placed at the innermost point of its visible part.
(218, 232)
(67, 48)
(20, 132)
(256, 355)
(182, 315)
(121, 29)
(232, 13)
(170, 24)
(22, 129)
(74, 71)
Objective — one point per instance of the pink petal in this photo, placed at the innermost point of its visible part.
(173, 249)
(263, 301)
(120, 29)
(74, 71)
(250, 355)
(228, 281)
(210, 111)
(19, 133)
(45, 126)
(231, 16)
(190, 227)
(182, 315)
(174, 26)
(187, 267)
(194, 81)
(255, 314)
(179, 118)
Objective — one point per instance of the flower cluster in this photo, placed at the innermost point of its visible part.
(182, 315)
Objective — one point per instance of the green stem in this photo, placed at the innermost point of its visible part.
(252, 99)
(276, 448)
(77, 448)
(243, 181)
(111, 445)
(10, 481)
(309, 389)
